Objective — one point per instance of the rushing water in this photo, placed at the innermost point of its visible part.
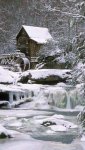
(68, 105)
(27, 122)
(42, 126)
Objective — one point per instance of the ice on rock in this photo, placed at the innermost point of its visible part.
(58, 128)
(5, 133)
(83, 138)
(3, 130)
(58, 116)
(55, 123)
(15, 124)
(50, 132)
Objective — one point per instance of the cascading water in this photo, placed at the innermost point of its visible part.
(68, 105)
(42, 123)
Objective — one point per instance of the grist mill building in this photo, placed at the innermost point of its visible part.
(29, 41)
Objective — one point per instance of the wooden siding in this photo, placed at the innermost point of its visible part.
(27, 46)
(23, 43)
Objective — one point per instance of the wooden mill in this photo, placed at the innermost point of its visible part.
(29, 41)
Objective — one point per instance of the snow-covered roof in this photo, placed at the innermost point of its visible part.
(39, 34)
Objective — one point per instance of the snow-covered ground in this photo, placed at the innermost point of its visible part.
(7, 77)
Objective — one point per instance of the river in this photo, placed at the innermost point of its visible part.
(41, 127)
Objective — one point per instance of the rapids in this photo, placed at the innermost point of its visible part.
(47, 122)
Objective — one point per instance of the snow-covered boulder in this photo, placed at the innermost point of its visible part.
(25, 77)
(55, 123)
(58, 128)
(46, 76)
(4, 133)
(6, 76)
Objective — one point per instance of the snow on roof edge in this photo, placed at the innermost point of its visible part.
(39, 34)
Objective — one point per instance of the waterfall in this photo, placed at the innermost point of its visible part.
(68, 105)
